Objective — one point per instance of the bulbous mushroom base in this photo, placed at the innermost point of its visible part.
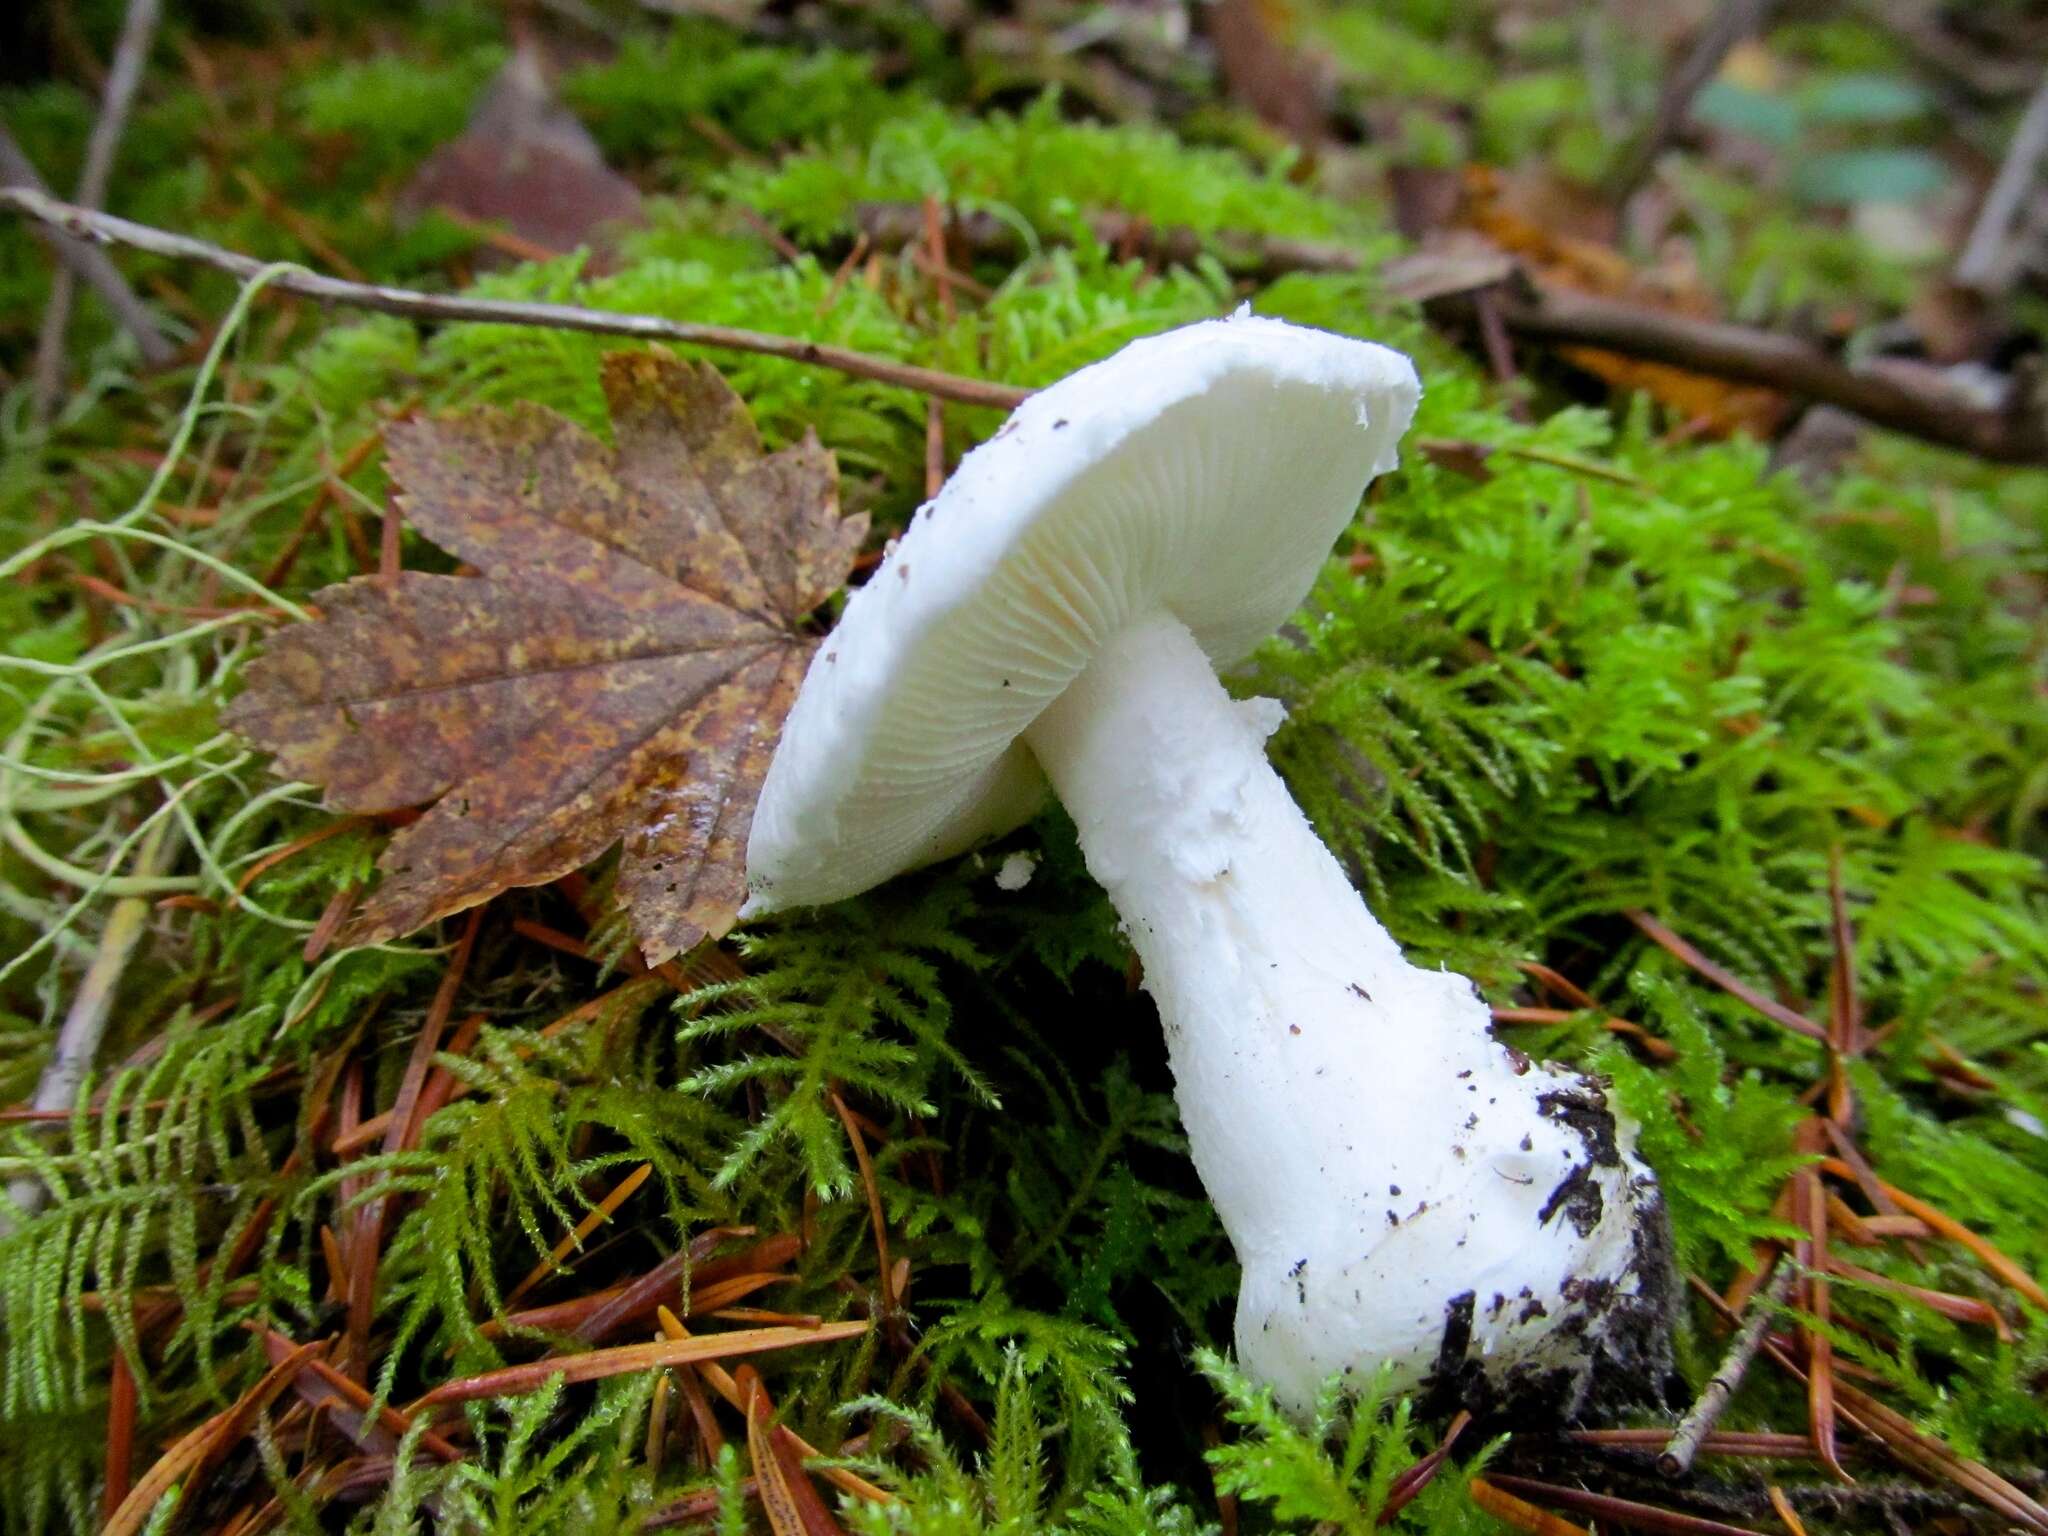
(1482, 1297)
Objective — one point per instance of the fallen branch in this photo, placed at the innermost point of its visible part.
(1537, 311)
(138, 30)
(2015, 434)
(86, 224)
(19, 175)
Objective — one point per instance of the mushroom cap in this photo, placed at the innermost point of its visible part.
(1205, 472)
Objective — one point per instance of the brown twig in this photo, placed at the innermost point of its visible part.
(1534, 311)
(1755, 1444)
(867, 1178)
(332, 916)
(1782, 1508)
(706, 1296)
(1731, 22)
(329, 1385)
(934, 448)
(401, 1134)
(1935, 1459)
(1947, 1226)
(121, 1406)
(363, 1132)
(1845, 1014)
(1657, 1049)
(598, 1215)
(638, 1298)
(710, 1439)
(1408, 1486)
(1923, 1453)
(734, 1389)
(1961, 1309)
(188, 1463)
(331, 490)
(18, 174)
(131, 53)
(1809, 1204)
(1520, 1513)
(2015, 434)
(1684, 1446)
(86, 224)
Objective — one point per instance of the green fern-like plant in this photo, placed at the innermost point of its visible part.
(1336, 1472)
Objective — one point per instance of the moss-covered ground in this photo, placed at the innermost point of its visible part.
(1623, 673)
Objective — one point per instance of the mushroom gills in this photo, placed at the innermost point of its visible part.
(1400, 1188)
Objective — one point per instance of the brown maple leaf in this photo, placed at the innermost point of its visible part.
(619, 668)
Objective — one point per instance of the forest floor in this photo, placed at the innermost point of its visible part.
(389, 1146)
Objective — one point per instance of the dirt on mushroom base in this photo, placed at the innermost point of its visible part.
(1628, 1360)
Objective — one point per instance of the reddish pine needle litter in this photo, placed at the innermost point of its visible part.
(598, 1364)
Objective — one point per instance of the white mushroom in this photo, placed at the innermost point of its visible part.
(1400, 1187)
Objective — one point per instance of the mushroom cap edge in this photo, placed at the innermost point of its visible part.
(1134, 484)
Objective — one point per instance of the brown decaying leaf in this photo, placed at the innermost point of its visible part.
(619, 668)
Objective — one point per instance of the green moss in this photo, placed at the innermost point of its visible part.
(393, 111)
(1379, 55)
(1040, 170)
(656, 98)
(1615, 674)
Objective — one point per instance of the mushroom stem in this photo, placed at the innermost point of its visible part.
(1398, 1185)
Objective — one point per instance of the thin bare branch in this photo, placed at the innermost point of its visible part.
(1731, 23)
(19, 175)
(131, 53)
(2015, 434)
(86, 224)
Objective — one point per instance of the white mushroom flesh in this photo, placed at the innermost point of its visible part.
(1399, 1186)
